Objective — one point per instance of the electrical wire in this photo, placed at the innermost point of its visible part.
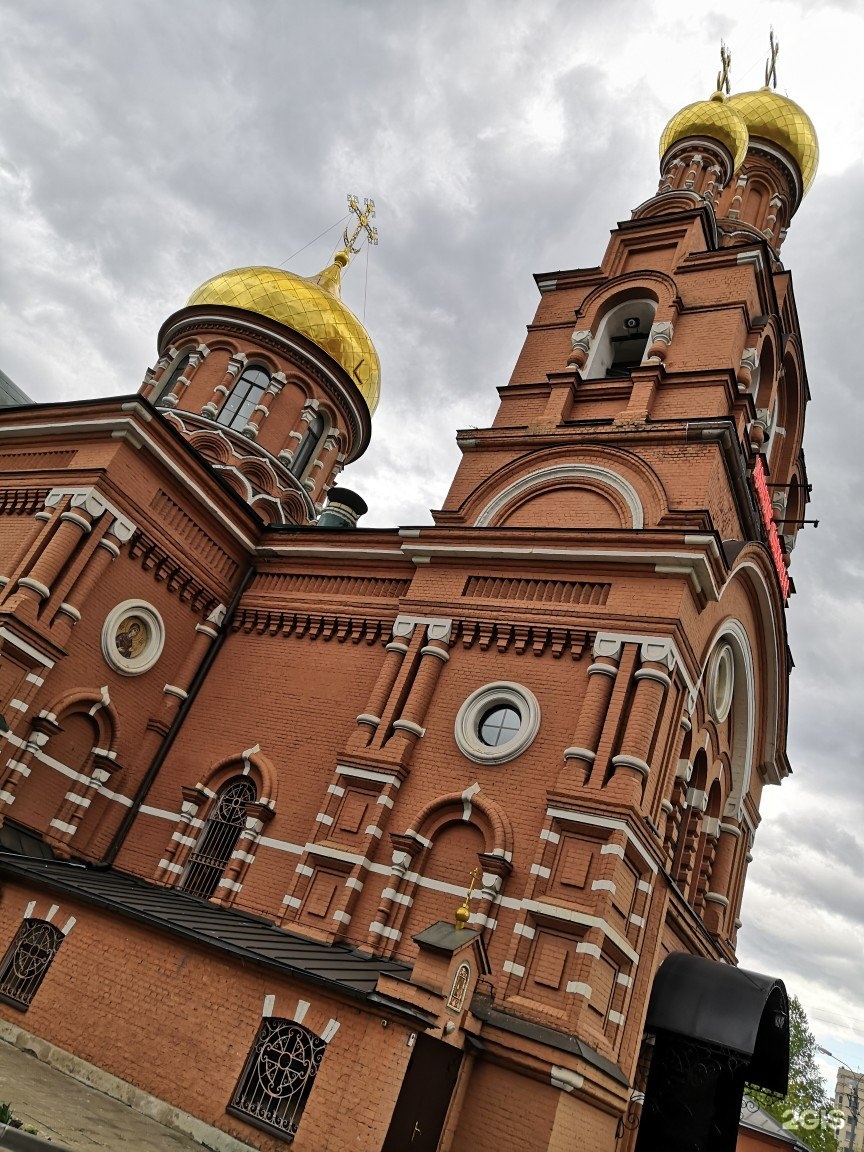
(311, 242)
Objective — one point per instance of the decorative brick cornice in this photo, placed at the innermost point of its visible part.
(520, 638)
(314, 625)
(166, 569)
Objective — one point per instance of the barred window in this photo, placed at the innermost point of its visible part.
(213, 850)
(278, 1077)
(28, 959)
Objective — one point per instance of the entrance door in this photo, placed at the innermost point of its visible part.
(424, 1097)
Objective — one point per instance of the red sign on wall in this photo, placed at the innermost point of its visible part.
(763, 497)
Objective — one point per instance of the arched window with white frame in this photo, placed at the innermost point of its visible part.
(244, 397)
(621, 341)
(167, 387)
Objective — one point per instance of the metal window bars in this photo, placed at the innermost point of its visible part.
(210, 855)
(27, 960)
(278, 1077)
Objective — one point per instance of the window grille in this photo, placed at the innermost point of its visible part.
(216, 843)
(245, 394)
(27, 960)
(278, 1077)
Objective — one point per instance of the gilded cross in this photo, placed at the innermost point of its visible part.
(463, 912)
(364, 215)
(723, 74)
(771, 63)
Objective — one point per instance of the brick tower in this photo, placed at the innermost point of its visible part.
(391, 830)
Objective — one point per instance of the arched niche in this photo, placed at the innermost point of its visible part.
(622, 339)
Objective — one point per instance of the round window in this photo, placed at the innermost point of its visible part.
(722, 683)
(132, 637)
(497, 723)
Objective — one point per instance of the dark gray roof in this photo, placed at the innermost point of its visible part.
(10, 394)
(758, 1120)
(481, 1006)
(340, 966)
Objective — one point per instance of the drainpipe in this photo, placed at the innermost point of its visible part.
(171, 735)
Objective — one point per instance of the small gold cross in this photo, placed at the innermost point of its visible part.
(771, 63)
(364, 215)
(723, 74)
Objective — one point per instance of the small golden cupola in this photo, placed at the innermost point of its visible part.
(782, 157)
(273, 380)
(310, 306)
(704, 144)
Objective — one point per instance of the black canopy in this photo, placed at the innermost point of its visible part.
(726, 1007)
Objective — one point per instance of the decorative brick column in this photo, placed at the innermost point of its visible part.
(579, 757)
(183, 381)
(223, 390)
(433, 656)
(72, 526)
(262, 408)
(717, 895)
(75, 803)
(369, 720)
(652, 681)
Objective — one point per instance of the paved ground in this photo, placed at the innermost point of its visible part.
(75, 1116)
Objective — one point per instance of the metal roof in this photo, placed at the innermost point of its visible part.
(758, 1120)
(340, 966)
(10, 394)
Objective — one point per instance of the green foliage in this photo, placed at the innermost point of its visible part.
(5, 1113)
(807, 1110)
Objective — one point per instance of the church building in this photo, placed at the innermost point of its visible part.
(428, 837)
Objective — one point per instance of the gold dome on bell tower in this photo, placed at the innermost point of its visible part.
(780, 121)
(714, 119)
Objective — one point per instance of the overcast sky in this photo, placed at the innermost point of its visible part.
(146, 146)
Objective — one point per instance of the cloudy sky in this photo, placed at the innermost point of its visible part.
(146, 146)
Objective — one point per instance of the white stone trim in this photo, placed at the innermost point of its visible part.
(590, 819)
(564, 1079)
(502, 693)
(133, 665)
(603, 476)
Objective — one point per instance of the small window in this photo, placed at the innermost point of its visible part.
(308, 445)
(499, 726)
(213, 850)
(178, 370)
(27, 960)
(278, 1077)
(621, 340)
(244, 397)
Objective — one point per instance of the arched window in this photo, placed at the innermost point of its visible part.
(621, 340)
(245, 394)
(176, 372)
(278, 1077)
(308, 445)
(27, 960)
(213, 850)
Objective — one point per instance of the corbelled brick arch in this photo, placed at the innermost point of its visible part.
(395, 921)
(254, 806)
(634, 494)
(42, 768)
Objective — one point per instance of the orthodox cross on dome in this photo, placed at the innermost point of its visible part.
(723, 74)
(463, 912)
(364, 215)
(771, 63)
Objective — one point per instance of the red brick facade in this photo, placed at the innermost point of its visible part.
(599, 566)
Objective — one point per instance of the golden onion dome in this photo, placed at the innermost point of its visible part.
(781, 121)
(713, 118)
(310, 306)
